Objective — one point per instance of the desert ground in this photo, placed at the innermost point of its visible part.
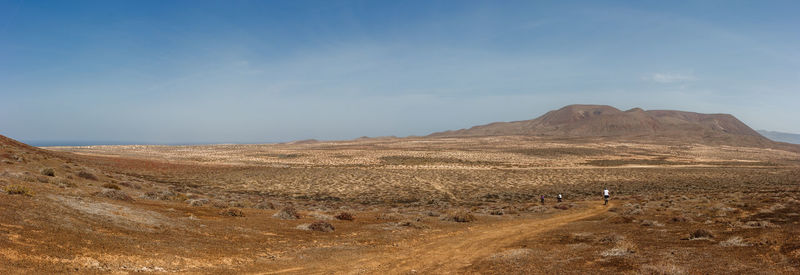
(401, 206)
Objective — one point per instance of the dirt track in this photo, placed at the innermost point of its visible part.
(449, 252)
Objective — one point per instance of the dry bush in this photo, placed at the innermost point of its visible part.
(321, 226)
(496, 212)
(87, 175)
(701, 234)
(197, 202)
(345, 216)
(111, 186)
(65, 184)
(622, 248)
(232, 212)
(460, 216)
(18, 190)
(734, 241)
(389, 217)
(679, 219)
(287, 213)
(48, 172)
(114, 195)
(611, 239)
(758, 224)
(159, 195)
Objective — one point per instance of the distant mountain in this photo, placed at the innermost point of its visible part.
(780, 136)
(602, 121)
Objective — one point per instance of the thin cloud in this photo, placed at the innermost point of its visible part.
(669, 77)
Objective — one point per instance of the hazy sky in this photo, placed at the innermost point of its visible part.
(265, 71)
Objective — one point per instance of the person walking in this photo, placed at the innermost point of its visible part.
(605, 196)
(559, 197)
(542, 199)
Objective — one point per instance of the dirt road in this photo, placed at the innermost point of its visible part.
(449, 252)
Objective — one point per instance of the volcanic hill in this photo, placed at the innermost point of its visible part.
(602, 121)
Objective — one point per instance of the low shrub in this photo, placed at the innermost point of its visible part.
(232, 212)
(412, 224)
(622, 248)
(87, 175)
(701, 234)
(321, 226)
(460, 216)
(197, 202)
(18, 190)
(48, 172)
(345, 216)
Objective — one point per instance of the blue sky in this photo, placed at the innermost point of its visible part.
(266, 71)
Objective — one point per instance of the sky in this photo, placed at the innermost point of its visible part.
(184, 72)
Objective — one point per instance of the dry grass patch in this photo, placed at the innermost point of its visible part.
(734, 241)
(18, 190)
(460, 216)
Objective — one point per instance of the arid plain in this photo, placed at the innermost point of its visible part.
(401, 206)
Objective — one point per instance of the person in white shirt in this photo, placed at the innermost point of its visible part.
(559, 197)
(605, 196)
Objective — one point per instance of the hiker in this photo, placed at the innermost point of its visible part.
(605, 196)
(559, 197)
(542, 198)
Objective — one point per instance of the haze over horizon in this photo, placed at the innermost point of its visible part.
(257, 71)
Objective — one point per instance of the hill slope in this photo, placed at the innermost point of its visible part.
(636, 124)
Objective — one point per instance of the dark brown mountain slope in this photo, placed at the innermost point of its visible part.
(602, 121)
